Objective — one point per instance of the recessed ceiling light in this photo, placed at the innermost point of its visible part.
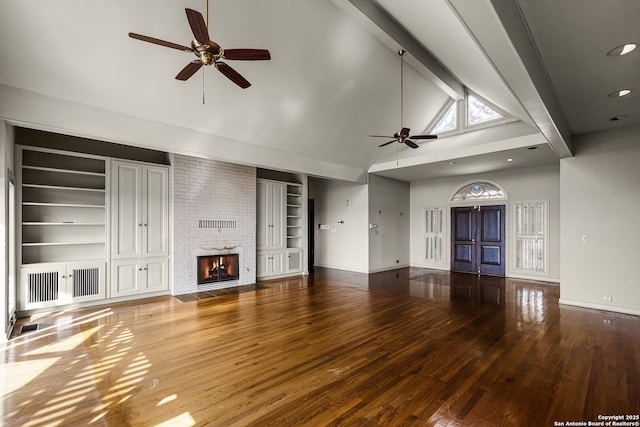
(452, 163)
(616, 118)
(619, 93)
(509, 160)
(623, 49)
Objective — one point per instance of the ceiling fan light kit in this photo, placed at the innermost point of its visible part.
(208, 52)
(404, 136)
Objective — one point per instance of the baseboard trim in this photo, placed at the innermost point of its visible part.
(333, 267)
(603, 307)
(535, 278)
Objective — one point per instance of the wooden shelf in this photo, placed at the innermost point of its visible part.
(69, 171)
(65, 205)
(59, 187)
(62, 243)
(64, 223)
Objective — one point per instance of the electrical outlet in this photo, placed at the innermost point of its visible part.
(607, 298)
(585, 238)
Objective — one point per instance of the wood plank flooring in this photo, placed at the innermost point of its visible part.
(410, 347)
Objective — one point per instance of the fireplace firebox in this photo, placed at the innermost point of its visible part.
(218, 268)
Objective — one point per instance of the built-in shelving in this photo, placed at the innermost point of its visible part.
(63, 206)
(294, 215)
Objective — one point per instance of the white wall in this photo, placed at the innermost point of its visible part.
(601, 200)
(6, 164)
(389, 211)
(345, 245)
(538, 183)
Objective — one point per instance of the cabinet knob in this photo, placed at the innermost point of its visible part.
(139, 269)
(139, 225)
(145, 269)
(145, 225)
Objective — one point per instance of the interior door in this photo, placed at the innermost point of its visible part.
(490, 240)
(478, 239)
(463, 236)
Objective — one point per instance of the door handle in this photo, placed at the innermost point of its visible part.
(473, 241)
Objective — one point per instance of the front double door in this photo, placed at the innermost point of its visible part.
(478, 239)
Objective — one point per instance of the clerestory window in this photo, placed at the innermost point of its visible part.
(475, 111)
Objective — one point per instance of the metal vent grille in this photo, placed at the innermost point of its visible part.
(206, 223)
(86, 282)
(43, 287)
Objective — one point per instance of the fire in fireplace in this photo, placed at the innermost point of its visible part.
(218, 268)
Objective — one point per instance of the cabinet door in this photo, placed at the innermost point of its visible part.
(155, 272)
(86, 281)
(263, 218)
(126, 221)
(155, 207)
(269, 263)
(43, 286)
(262, 259)
(278, 219)
(294, 260)
(125, 278)
(276, 263)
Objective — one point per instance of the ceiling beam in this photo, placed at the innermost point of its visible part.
(394, 35)
(501, 32)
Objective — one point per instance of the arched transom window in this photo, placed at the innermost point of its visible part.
(480, 190)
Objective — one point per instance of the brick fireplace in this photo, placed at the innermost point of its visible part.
(213, 206)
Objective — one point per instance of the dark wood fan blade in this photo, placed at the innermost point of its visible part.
(405, 132)
(381, 136)
(232, 75)
(410, 143)
(198, 26)
(247, 54)
(189, 70)
(424, 136)
(159, 42)
(386, 143)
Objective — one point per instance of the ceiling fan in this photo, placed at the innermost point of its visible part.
(208, 52)
(404, 136)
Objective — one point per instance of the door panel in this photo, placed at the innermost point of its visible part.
(125, 278)
(478, 239)
(156, 271)
(156, 211)
(491, 240)
(464, 224)
(278, 216)
(127, 216)
(490, 231)
(263, 217)
(463, 250)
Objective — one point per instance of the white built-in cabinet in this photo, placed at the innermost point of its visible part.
(62, 209)
(279, 228)
(139, 228)
(72, 250)
(271, 215)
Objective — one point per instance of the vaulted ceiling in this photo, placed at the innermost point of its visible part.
(69, 67)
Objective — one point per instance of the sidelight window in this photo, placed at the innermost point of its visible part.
(531, 235)
(434, 235)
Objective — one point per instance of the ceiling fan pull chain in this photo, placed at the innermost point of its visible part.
(203, 88)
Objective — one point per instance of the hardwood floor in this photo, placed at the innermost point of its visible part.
(419, 347)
